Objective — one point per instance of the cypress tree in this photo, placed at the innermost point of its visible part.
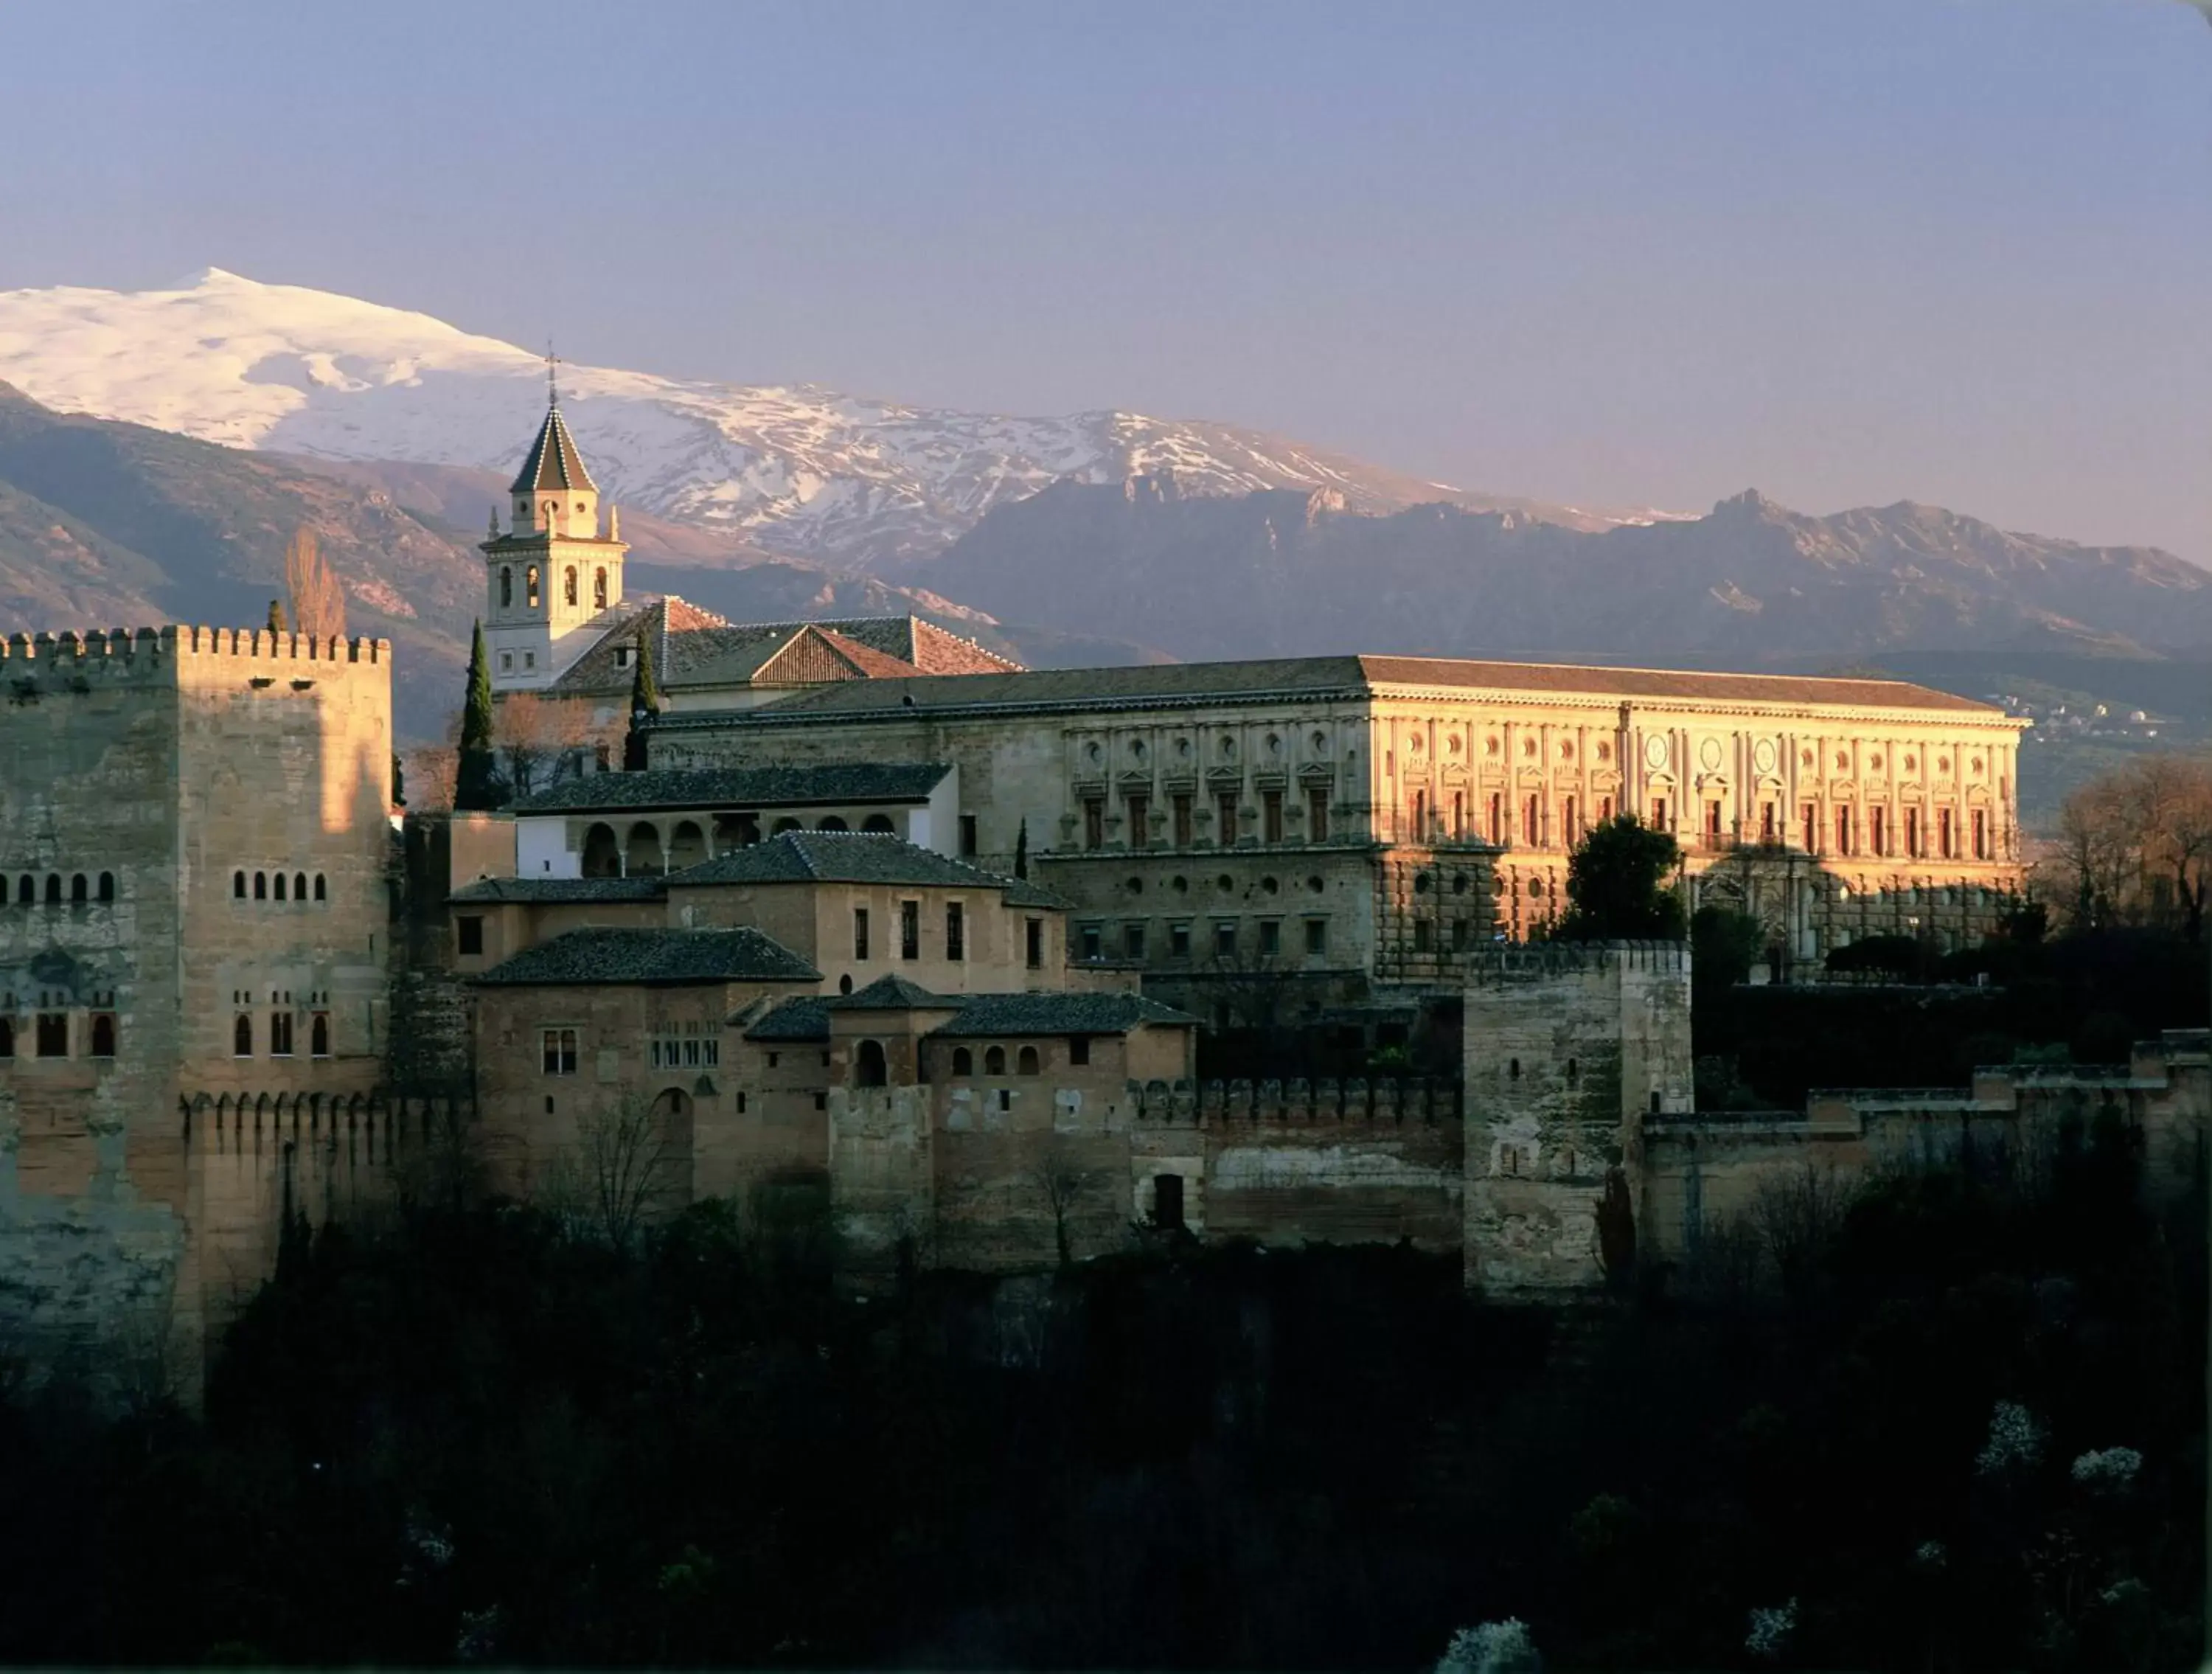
(476, 783)
(644, 703)
(1022, 849)
(276, 622)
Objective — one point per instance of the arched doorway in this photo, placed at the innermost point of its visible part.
(687, 846)
(869, 1068)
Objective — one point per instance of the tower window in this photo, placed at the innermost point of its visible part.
(506, 587)
(600, 588)
(530, 586)
(506, 662)
(108, 886)
(241, 1037)
(53, 1034)
(568, 584)
(280, 1034)
(103, 1034)
(261, 886)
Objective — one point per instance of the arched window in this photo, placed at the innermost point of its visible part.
(602, 853)
(322, 887)
(298, 886)
(261, 886)
(994, 1061)
(963, 1061)
(783, 826)
(107, 885)
(241, 1037)
(832, 823)
(600, 588)
(80, 889)
(318, 1035)
(878, 822)
(529, 587)
(644, 850)
(568, 584)
(869, 1068)
(506, 586)
(27, 890)
(687, 846)
(7, 1037)
(1026, 1065)
(53, 889)
(237, 886)
(103, 1034)
(280, 886)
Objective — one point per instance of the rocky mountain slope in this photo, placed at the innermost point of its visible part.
(107, 525)
(803, 470)
(1279, 573)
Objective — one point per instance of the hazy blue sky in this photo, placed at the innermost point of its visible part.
(1629, 251)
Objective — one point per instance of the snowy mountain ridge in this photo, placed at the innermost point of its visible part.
(797, 469)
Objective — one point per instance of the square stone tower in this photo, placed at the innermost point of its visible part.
(1569, 1045)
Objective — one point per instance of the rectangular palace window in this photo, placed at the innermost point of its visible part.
(1181, 807)
(1270, 816)
(1318, 816)
(956, 931)
(909, 929)
(1140, 822)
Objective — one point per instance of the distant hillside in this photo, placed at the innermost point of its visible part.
(1282, 573)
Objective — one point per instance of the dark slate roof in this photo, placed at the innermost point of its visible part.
(694, 647)
(493, 890)
(841, 857)
(982, 1014)
(554, 462)
(895, 994)
(652, 957)
(1278, 678)
(805, 1018)
(740, 788)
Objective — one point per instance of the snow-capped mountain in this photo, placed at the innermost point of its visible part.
(800, 469)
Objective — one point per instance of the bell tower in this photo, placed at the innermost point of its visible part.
(552, 575)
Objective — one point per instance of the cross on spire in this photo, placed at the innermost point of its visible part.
(552, 375)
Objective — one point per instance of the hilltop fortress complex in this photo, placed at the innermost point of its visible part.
(893, 932)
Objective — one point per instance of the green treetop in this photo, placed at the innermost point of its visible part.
(475, 781)
(1618, 887)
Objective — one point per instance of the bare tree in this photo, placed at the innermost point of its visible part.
(317, 601)
(1796, 1214)
(1063, 1185)
(2136, 845)
(536, 734)
(431, 772)
(622, 1164)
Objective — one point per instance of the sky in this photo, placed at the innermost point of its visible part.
(1612, 252)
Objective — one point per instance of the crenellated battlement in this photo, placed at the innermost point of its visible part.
(128, 655)
(1543, 961)
(1393, 1100)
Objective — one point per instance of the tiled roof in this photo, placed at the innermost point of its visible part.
(554, 462)
(804, 1018)
(810, 785)
(653, 958)
(535, 890)
(982, 1014)
(841, 857)
(895, 993)
(696, 647)
(1305, 677)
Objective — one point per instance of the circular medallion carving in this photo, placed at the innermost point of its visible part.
(1763, 756)
(1708, 754)
(1655, 751)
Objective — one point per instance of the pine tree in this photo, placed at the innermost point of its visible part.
(276, 622)
(1022, 849)
(476, 784)
(644, 703)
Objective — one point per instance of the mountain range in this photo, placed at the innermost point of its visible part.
(805, 471)
(162, 447)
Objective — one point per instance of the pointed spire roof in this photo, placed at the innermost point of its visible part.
(554, 462)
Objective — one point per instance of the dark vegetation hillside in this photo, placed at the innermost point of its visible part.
(470, 1436)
